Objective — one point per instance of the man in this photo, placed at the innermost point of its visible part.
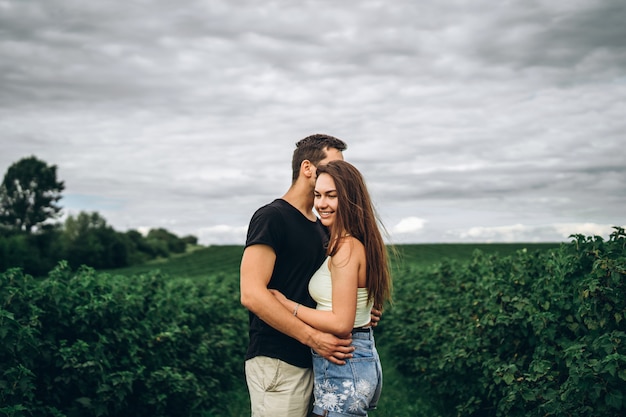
(284, 247)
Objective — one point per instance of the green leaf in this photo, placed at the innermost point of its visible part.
(614, 399)
(84, 401)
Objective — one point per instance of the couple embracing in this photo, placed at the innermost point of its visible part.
(315, 286)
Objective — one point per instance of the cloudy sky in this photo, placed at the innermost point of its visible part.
(472, 121)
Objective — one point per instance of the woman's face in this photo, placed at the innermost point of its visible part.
(326, 199)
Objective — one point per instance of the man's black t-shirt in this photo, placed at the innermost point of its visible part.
(299, 244)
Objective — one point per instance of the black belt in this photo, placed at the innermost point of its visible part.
(361, 330)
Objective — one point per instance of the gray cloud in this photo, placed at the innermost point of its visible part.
(470, 121)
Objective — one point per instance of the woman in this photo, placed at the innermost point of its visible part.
(354, 278)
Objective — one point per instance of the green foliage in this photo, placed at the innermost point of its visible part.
(520, 333)
(530, 334)
(88, 240)
(28, 194)
(200, 262)
(170, 241)
(29, 239)
(36, 253)
(88, 344)
(85, 239)
(427, 255)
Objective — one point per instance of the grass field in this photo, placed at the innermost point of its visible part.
(399, 398)
(203, 261)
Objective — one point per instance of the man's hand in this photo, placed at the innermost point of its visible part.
(332, 348)
(375, 317)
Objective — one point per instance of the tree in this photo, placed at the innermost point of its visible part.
(88, 240)
(172, 242)
(28, 194)
(76, 227)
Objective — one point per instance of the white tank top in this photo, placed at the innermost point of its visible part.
(321, 289)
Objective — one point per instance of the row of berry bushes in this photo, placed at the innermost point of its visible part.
(531, 334)
(93, 344)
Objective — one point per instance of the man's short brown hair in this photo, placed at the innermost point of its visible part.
(313, 149)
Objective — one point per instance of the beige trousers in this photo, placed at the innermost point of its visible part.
(278, 389)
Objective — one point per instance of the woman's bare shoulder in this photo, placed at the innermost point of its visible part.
(350, 250)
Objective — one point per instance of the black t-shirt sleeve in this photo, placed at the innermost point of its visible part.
(265, 228)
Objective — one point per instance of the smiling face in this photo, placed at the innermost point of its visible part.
(326, 201)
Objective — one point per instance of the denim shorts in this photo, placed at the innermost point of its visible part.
(351, 389)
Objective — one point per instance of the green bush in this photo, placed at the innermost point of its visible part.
(88, 344)
(35, 253)
(531, 334)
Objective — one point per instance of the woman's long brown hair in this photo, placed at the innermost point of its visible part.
(357, 216)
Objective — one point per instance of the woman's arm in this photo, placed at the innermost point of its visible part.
(256, 270)
(346, 265)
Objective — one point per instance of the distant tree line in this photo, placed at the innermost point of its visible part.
(32, 239)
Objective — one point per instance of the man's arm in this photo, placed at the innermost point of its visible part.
(257, 265)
